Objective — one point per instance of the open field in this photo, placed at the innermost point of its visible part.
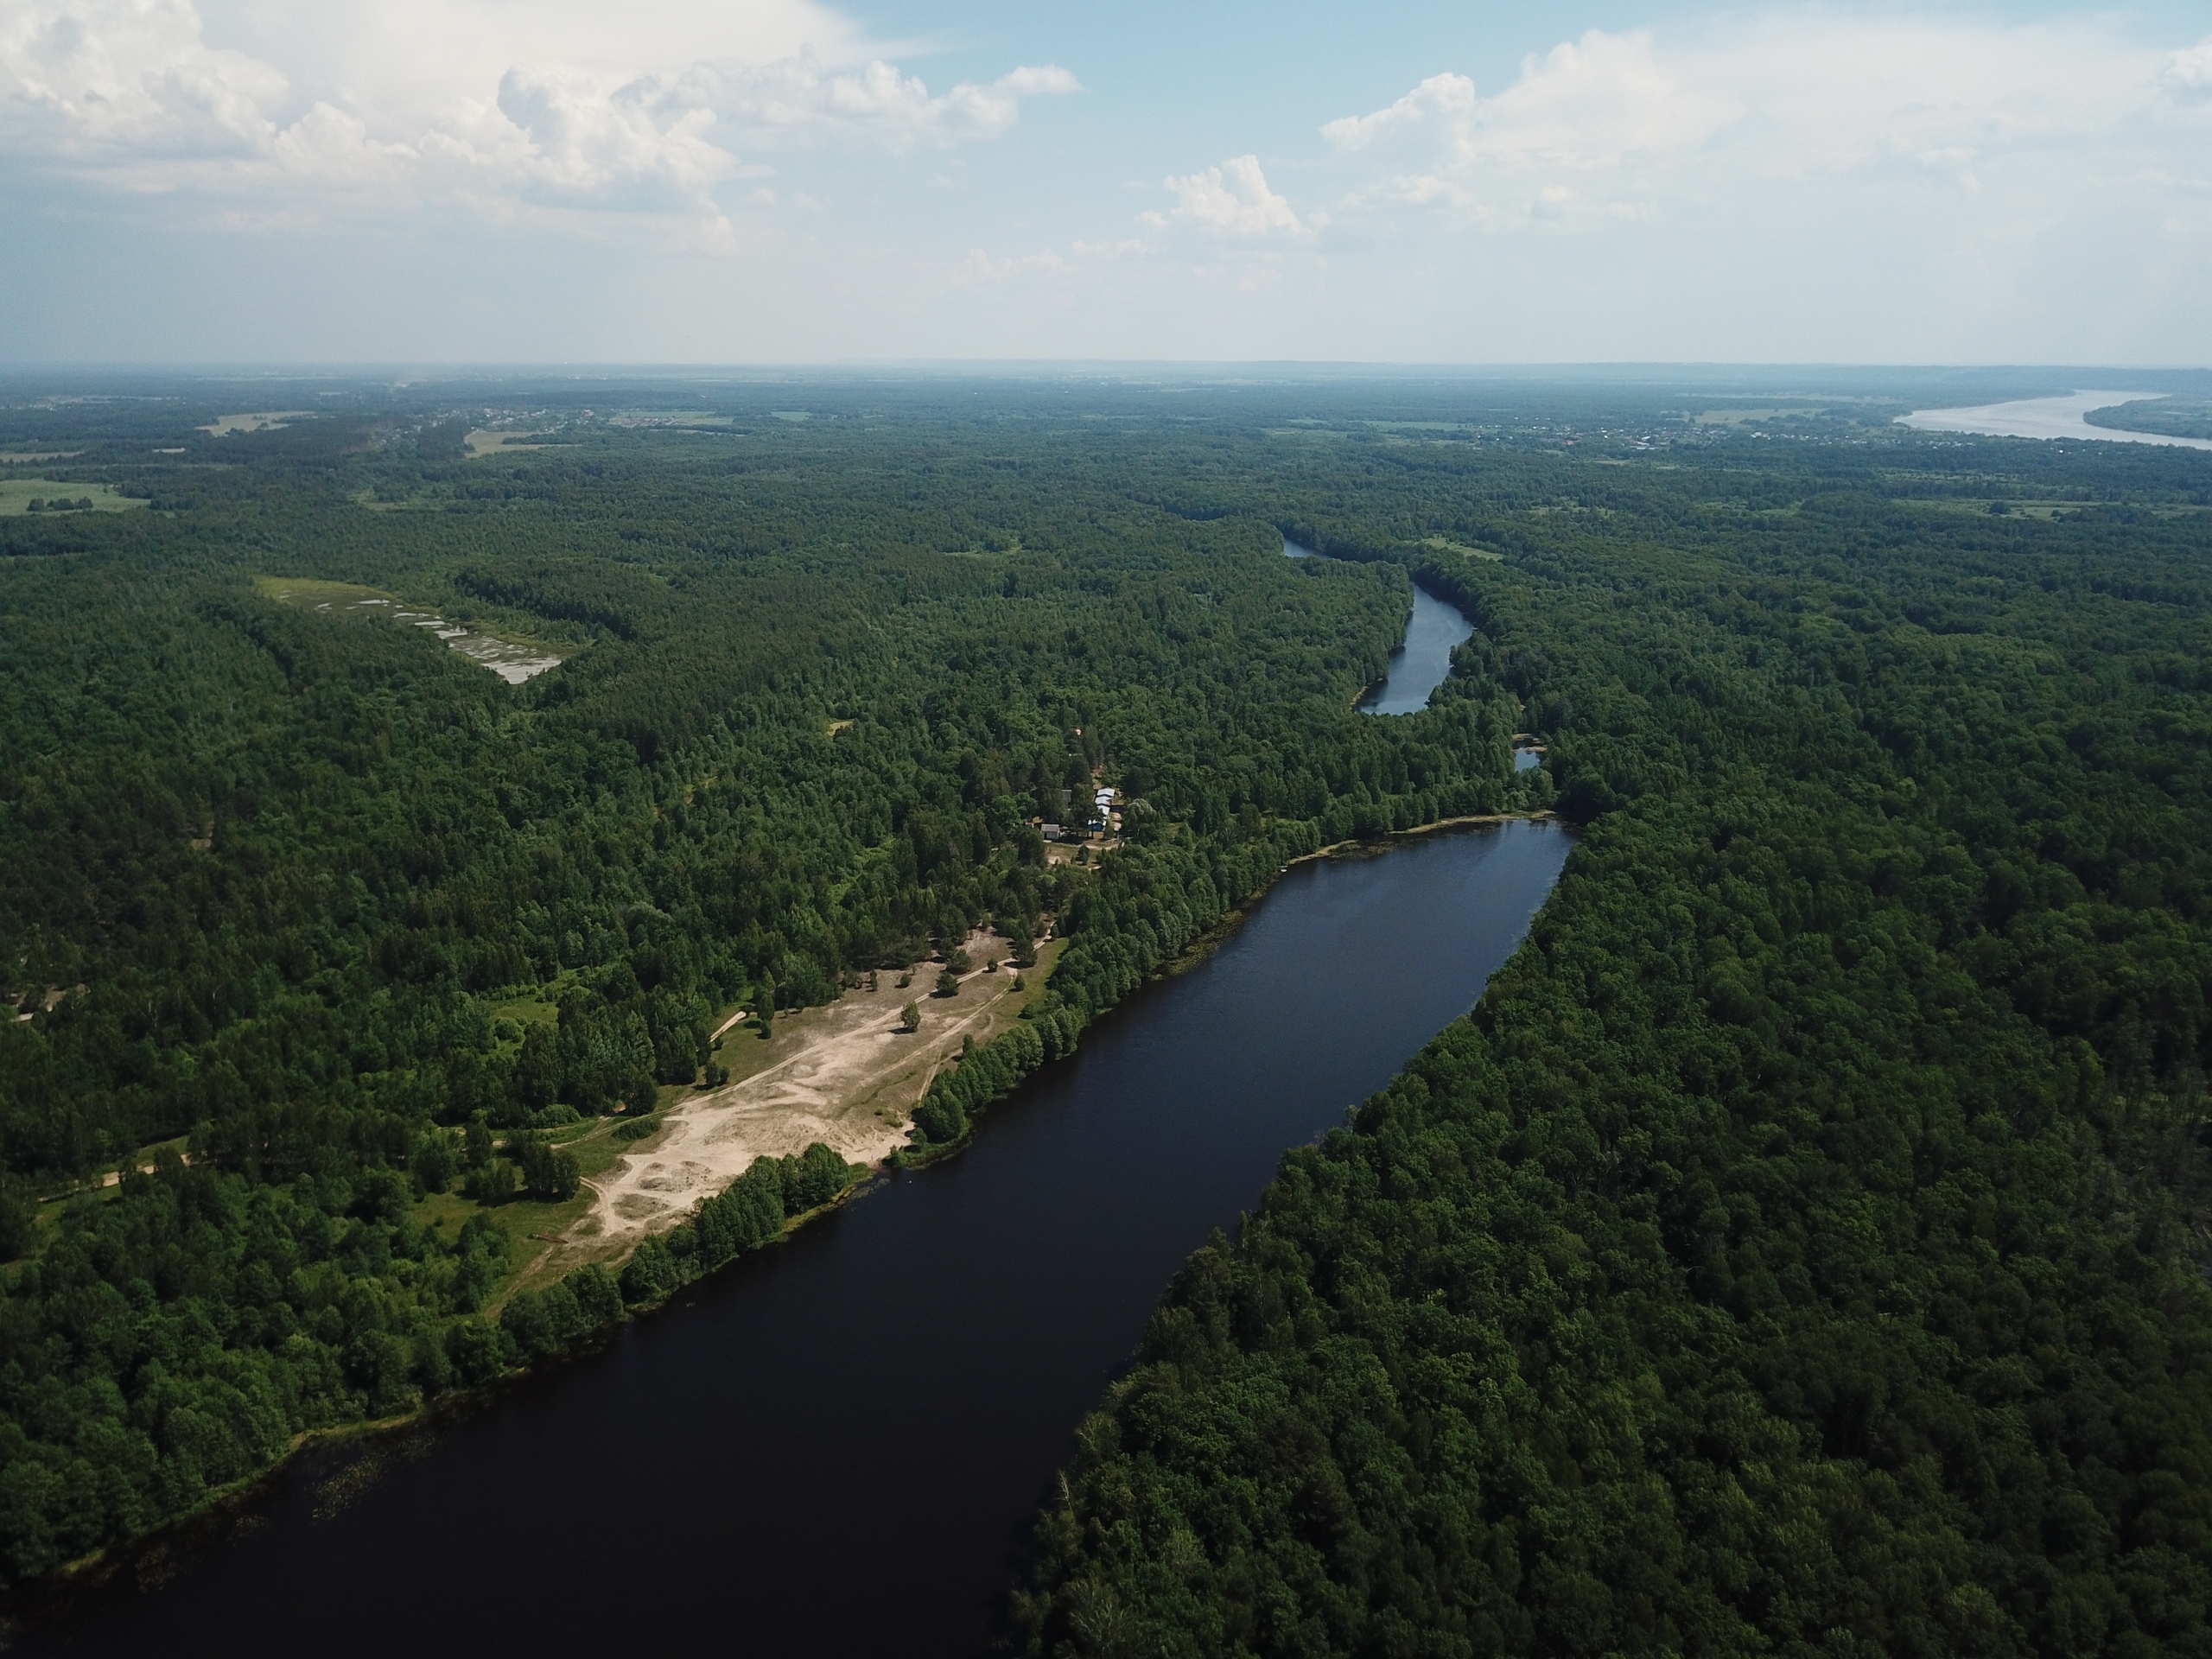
(1770, 412)
(512, 660)
(1442, 545)
(16, 495)
(484, 442)
(311, 593)
(270, 420)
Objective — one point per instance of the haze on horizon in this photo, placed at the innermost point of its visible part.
(785, 181)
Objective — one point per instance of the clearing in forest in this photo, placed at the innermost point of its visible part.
(846, 1074)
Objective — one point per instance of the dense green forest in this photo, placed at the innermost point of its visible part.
(2179, 417)
(1801, 1247)
(324, 936)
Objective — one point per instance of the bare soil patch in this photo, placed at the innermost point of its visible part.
(846, 1075)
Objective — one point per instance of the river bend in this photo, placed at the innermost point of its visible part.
(838, 1447)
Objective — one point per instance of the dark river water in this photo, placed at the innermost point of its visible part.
(838, 1445)
(1420, 664)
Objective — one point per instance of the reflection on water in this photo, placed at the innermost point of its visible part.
(1420, 664)
(2046, 418)
(1424, 661)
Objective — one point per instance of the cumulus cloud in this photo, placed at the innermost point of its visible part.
(798, 99)
(1620, 125)
(2191, 71)
(566, 103)
(105, 83)
(1234, 199)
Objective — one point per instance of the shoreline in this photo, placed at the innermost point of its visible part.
(90, 1573)
(1235, 916)
(1199, 949)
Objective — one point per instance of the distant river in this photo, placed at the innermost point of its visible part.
(2046, 418)
(838, 1447)
(1420, 664)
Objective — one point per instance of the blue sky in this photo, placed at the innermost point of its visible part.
(672, 180)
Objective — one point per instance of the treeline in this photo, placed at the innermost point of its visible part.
(747, 1215)
(172, 1341)
(1801, 1248)
(239, 1314)
(336, 911)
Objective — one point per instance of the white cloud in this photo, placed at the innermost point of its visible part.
(1613, 126)
(798, 99)
(1083, 260)
(93, 83)
(2191, 71)
(1233, 200)
(570, 103)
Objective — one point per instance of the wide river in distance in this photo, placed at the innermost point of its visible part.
(2047, 417)
(838, 1447)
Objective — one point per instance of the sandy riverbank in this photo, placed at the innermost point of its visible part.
(847, 1075)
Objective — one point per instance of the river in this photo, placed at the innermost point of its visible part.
(1423, 662)
(838, 1447)
(2046, 418)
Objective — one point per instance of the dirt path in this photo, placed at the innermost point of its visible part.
(846, 1074)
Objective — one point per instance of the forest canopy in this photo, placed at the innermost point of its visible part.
(1800, 1249)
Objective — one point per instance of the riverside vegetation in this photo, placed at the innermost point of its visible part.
(331, 941)
(1799, 1250)
(1802, 1248)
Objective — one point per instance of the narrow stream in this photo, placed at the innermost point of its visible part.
(839, 1445)
(1423, 662)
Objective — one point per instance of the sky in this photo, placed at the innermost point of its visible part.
(710, 182)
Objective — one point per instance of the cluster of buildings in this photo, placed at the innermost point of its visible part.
(1105, 816)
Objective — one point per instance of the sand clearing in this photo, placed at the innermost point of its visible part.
(845, 1074)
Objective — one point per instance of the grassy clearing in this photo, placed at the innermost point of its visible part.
(1048, 956)
(654, 417)
(508, 655)
(483, 441)
(414, 501)
(1444, 544)
(529, 1225)
(541, 1009)
(309, 593)
(16, 495)
(268, 420)
(1955, 507)
(1776, 412)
